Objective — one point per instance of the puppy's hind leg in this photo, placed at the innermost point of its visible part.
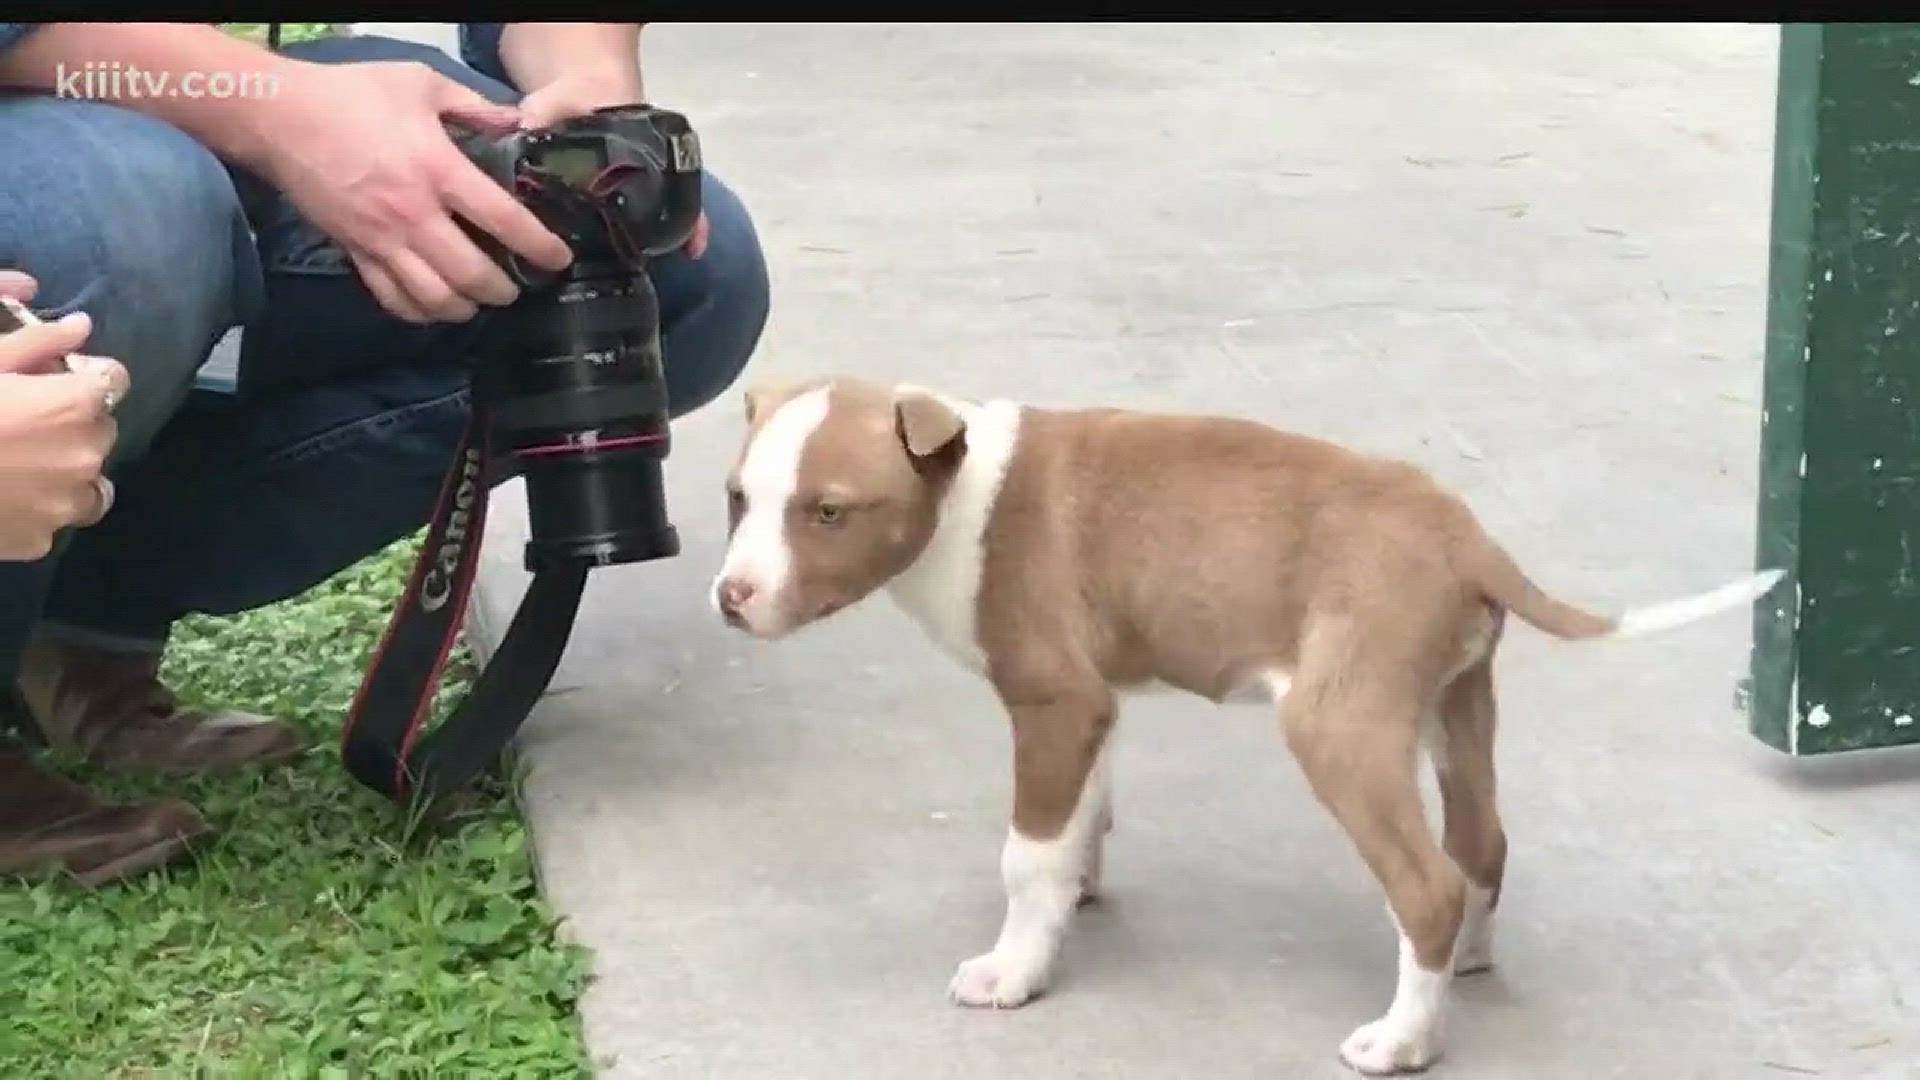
(1473, 836)
(1356, 736)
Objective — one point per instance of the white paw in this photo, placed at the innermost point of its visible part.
(1473, 952)
(1386, 1047)
(996, 982)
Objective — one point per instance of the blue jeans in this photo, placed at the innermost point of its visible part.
(229, 503)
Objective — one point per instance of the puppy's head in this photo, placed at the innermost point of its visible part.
(836, 490)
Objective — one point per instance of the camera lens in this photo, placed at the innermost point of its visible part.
(580, 399)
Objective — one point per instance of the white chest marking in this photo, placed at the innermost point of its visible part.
(941, 590)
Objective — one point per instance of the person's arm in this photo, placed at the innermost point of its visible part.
(604, 55)
(54, 57)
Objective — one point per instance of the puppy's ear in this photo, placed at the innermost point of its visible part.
(928, 427)
(762, 398)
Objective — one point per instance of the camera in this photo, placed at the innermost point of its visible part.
(574, 384)
(569, 382)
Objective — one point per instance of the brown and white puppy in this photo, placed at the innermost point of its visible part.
(1073, 556)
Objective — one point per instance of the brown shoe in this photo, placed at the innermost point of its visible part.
(113, 709)
(49, 823)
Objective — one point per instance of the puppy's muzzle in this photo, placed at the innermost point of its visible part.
(730, 596)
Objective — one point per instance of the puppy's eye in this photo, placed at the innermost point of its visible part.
(829, 514)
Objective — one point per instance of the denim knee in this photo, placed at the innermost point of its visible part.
(362, 49)
(714, 308)
(132, 221)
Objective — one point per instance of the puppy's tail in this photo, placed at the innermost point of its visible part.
(1502, 581)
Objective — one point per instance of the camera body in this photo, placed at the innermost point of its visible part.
(573, 382)
(620, 184)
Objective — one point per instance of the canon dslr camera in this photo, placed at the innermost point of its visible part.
(575, 388)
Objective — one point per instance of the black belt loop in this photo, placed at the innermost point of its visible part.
(273, 36)
(383, 745)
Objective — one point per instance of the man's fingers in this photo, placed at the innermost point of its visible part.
(697, 243)
(18, 285)
(460, 262)
(43, 347)
(488, 206)
(549, 105)
(468, 109)
(386, 290)
(429, 291)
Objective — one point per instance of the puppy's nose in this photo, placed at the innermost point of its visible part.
(734, 595)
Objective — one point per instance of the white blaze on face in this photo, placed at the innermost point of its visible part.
(759, 555)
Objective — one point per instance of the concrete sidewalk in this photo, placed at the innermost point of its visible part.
(1530, 258)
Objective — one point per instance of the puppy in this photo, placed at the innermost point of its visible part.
(1069, 557)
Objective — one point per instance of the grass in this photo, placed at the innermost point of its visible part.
(312, 939)
(289, 32)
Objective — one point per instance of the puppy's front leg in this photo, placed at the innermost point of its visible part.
(1050, 859)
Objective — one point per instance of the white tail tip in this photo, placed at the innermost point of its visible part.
(1655, 618)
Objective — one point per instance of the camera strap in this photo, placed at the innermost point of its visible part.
(385, 745)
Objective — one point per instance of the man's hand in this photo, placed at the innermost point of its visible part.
(357, 148)
(364, 157)
(579, 92)
(56, 428)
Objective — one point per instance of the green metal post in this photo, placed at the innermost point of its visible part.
(1836, 650)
